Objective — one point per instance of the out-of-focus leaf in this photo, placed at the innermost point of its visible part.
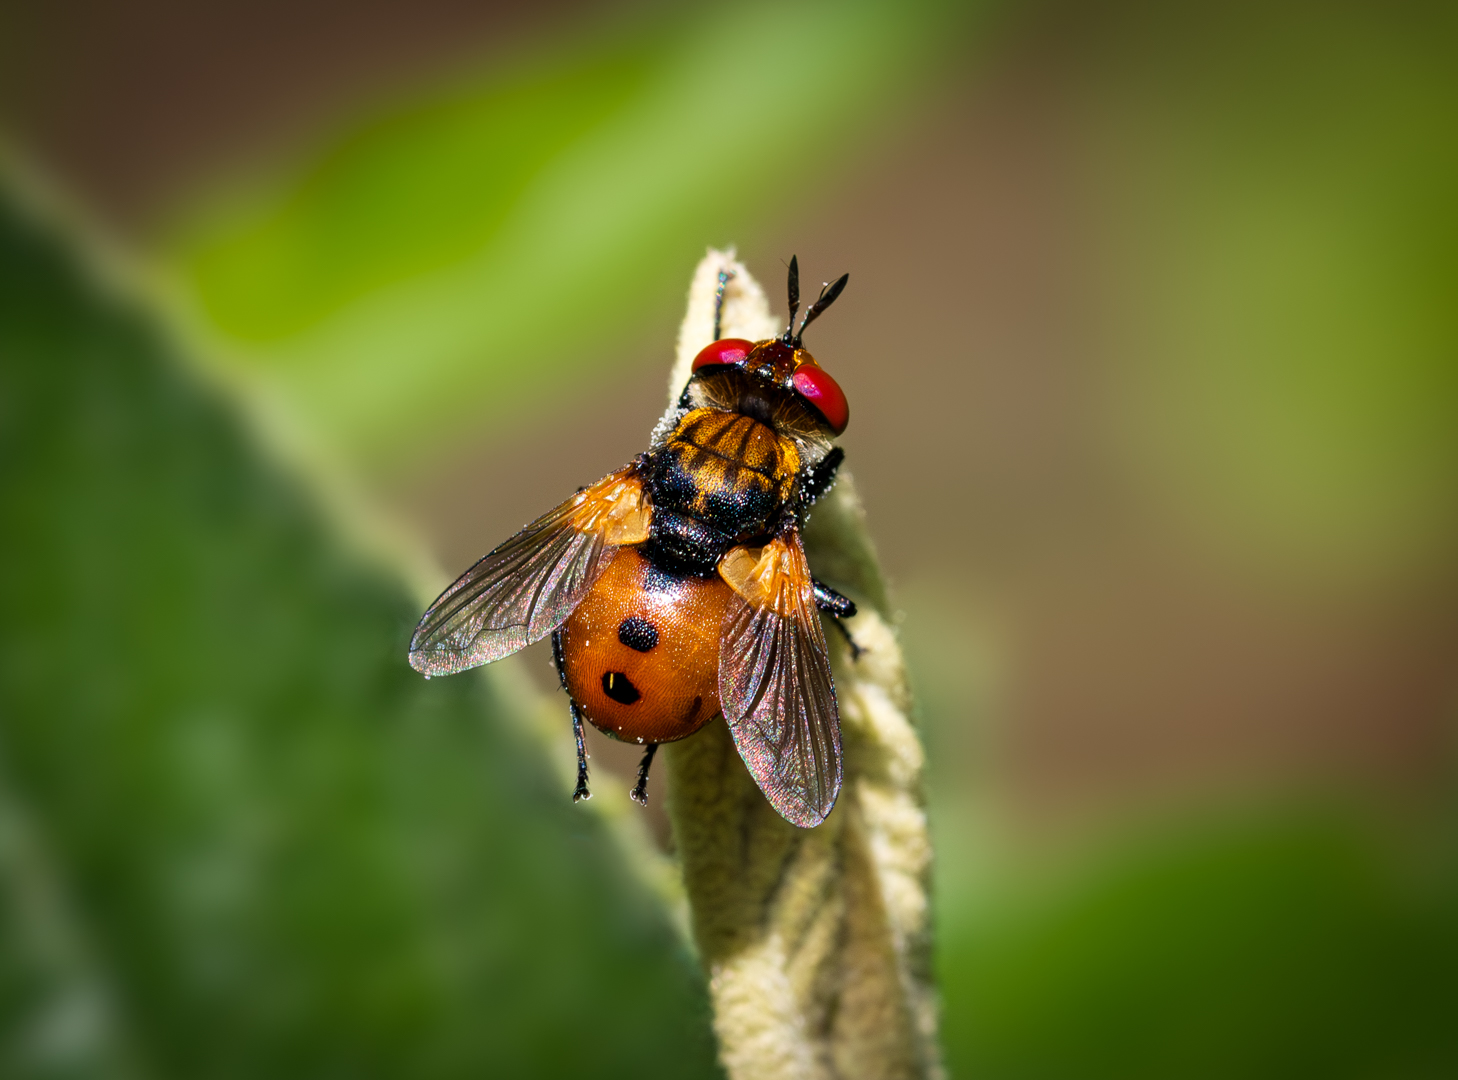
(1281, 223)
(1298, 947)
(423, 268)
(238, 835)
(418, 187)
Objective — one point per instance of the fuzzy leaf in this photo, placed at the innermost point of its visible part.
(817, 941)
(238, 835)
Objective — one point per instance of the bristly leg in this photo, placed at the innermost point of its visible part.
(828, 600)
(639, 794)
(581, 792)
(816, 481)
(838, 607)
(724, 276)
(855, 650)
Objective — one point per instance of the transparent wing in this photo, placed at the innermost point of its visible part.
(528, 586)
(775, 684)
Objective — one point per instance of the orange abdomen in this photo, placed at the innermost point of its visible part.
(641, 652)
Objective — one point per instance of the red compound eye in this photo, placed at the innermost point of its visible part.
(727, 350)
(820, 390)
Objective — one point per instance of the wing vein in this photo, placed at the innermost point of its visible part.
(778, 695)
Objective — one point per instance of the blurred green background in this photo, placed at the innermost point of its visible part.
(1152, 349)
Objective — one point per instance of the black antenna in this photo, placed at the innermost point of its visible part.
(828, 293)
(789, 335)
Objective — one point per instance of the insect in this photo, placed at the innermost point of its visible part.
(676, 589)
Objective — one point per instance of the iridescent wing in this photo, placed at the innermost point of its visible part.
(528, 586)
(774, 680)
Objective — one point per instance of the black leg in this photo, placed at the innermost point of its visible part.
(640, 789)
(827, 599)
(841, 607)
(724, 276)
(816, 481)
(855, 649)
(580, 792)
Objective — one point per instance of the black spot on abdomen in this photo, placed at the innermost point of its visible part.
(617, 686)
(637, 633)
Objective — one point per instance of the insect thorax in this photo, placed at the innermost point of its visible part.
(726, 471)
